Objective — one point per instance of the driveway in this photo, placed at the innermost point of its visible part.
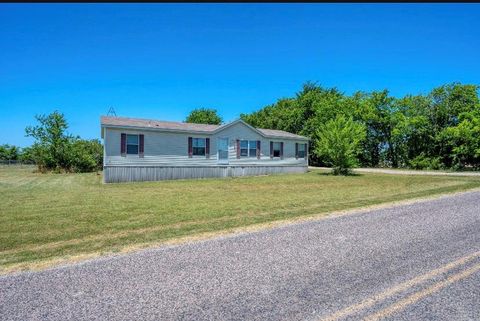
(410, 262)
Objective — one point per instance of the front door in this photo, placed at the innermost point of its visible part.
(222, 147)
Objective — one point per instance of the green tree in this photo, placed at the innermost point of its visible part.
(409, 137)
(310, 108)
(376, 111)
(85, 155)
(9, 152)
(412, 132)
(449, 102)
(464, 141)
(56, 150)
(26, 155)
(339, 142)
(51, 146)
(204, 116)
(318, 106)
(436, 130)
(285, 114)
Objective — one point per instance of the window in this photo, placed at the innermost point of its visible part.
(252, 149)
(198, 145)
(301, 150)
(248, 148)
(132, 144)
(276, 149)
(243, 148)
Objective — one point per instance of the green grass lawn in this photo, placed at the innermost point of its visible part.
(47, 218)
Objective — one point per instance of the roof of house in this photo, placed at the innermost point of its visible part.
(107, 121)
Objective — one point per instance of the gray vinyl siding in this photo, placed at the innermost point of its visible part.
(171, 149)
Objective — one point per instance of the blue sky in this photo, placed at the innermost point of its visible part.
(162, 60)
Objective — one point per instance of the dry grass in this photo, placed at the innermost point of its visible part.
(48, 218)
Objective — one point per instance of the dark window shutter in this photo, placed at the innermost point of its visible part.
(207, 147)
(123, 144)
(238, 148)
(258, 149)
(141, 147)
(190, 147)
(271, 149)
(281, 150)
(306, 151)
(296, 150)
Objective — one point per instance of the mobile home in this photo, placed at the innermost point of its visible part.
(147, 150)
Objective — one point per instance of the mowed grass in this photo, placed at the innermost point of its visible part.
(54, 217)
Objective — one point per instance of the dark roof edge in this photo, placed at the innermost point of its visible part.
(205, 132)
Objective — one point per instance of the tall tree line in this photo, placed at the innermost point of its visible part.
(437, 130)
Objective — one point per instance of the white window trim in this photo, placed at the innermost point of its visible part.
(279, 149)
(304, 151)
(248, 148)
(205, 147)
(137, 144)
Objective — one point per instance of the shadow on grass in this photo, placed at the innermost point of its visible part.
(351, 174)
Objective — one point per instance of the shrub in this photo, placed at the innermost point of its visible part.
(9, 152)
(55, 150)
(339, 143)
(424, 162)
(86, 155)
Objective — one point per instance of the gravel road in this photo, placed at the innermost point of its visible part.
(412, 262)
(406, 172)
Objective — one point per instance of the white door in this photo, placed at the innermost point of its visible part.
(222, 148)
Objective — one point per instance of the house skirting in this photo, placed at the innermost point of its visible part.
(117, 174)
